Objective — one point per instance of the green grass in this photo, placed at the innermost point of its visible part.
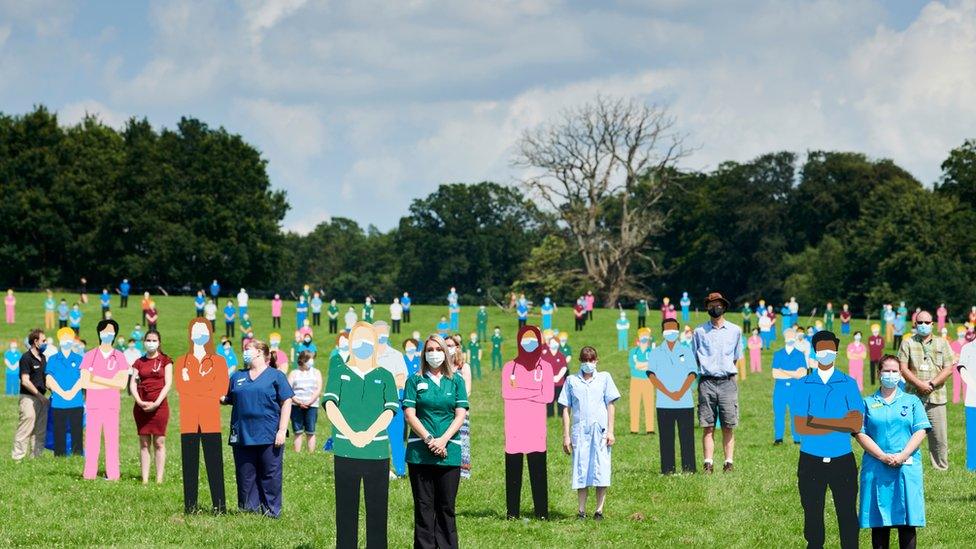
(46, 502)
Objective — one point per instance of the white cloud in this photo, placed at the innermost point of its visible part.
(295, 132)
(74, 113)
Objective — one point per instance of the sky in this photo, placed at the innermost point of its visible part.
(402, 96)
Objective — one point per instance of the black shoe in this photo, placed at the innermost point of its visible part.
(727, 468)
(778, 442)
(581, 515)
(708, 468)
(598, 516)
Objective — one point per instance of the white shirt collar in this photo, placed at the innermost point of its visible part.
(825, 374)
(435, 379)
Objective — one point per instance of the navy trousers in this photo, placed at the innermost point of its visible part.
(258, 471)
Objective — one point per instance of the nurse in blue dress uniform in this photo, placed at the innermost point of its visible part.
(895, 424)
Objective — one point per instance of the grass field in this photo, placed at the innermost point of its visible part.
(46, 502)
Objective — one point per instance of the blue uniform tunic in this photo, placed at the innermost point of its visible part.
(587, 401)
(892, 496)
(257, 406)
(831, 400)
(788, 362)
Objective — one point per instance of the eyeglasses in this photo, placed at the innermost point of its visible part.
(923, 322)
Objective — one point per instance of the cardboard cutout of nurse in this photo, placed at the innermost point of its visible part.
(361, 399)
(527, 386)
(104, 374)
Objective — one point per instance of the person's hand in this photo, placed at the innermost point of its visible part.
(925, 389)
(360, 439)
(439, 446)
(568, 445)
(610, 438)
(280, 438)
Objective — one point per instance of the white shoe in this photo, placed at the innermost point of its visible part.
(393, 476)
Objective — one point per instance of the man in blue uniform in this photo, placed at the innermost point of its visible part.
(789, 365)
(828, 409)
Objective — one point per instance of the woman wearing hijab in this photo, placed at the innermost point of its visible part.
(201, 381)
(527, 387)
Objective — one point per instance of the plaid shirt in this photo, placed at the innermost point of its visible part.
(926, 360)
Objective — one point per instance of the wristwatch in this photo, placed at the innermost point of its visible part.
(428, 438)
(932, 385)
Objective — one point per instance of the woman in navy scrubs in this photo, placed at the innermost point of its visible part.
(261, 397)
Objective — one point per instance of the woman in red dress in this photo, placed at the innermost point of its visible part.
(150, 383)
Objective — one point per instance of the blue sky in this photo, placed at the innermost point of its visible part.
(402, 96)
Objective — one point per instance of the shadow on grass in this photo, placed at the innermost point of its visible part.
(499, 515)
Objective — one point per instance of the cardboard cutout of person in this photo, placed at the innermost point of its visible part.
(392, 360)
(333, 313)
(10, 304)
(623, 331)
(527, 387)
(361, 399)
(958, 382)
(201, 379)
(755, 345)
(828, 408)
(685, 308)
(67, 401)
(482, 324)
(641, 389)
(672, 370)
(496, 349)
(641, 313)
(547, 310)
(789, 365)
(856, 353)
(875, 349)
(454, 310)
(967, 371)
(104, 374)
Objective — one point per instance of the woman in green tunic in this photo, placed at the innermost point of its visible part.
(435, 403)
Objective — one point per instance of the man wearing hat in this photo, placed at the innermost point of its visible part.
(717, 346)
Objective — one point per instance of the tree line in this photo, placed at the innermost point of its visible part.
(606, 207)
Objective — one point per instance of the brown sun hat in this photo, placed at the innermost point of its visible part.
(716, 296)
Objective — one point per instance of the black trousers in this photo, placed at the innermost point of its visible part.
(553, 405)
(589, 314)
(276, 322)
(435, 489)
(143, 316)
(333, 325)
(538, 480)
(881, 537)
(521, 322)
(684, 419)
(873, 368)
(65, 419)
(896, 342)
(124, 301)
(579, 323)
(213, 459)
(406, 316)
(641, 321)
(746, 326)
(213, 325)
(396, 326)
(199, 313)
(230, 328)
(374, 475)
(62, 323)
(104, 310)
(814, 476)
(316, 319)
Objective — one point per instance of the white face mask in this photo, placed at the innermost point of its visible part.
(151, 346)
(450, 351)
(554, 346)
(435, 358)
(310, 362)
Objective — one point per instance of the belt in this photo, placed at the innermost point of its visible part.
(718, 378)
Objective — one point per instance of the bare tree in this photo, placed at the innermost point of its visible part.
(610, 155)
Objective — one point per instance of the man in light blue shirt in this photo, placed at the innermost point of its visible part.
(671, 369)
(717, 346)
(405, 303)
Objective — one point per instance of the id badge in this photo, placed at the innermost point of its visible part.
(233, 436)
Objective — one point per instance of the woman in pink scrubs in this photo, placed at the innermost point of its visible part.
(856, 353)
(10, 302)
(527, 386)
(104, 373)
(958, 387)
(755, 343)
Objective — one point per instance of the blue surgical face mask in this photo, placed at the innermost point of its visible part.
(248, 356)
(670, 335)
(363, 351)
(344, 348)
(201, 339)
(826, 357)
(42, 348)
(106, 337)
(383, 340)
(588, 367)
(530, 345)
(890, 380)
(924, 329)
